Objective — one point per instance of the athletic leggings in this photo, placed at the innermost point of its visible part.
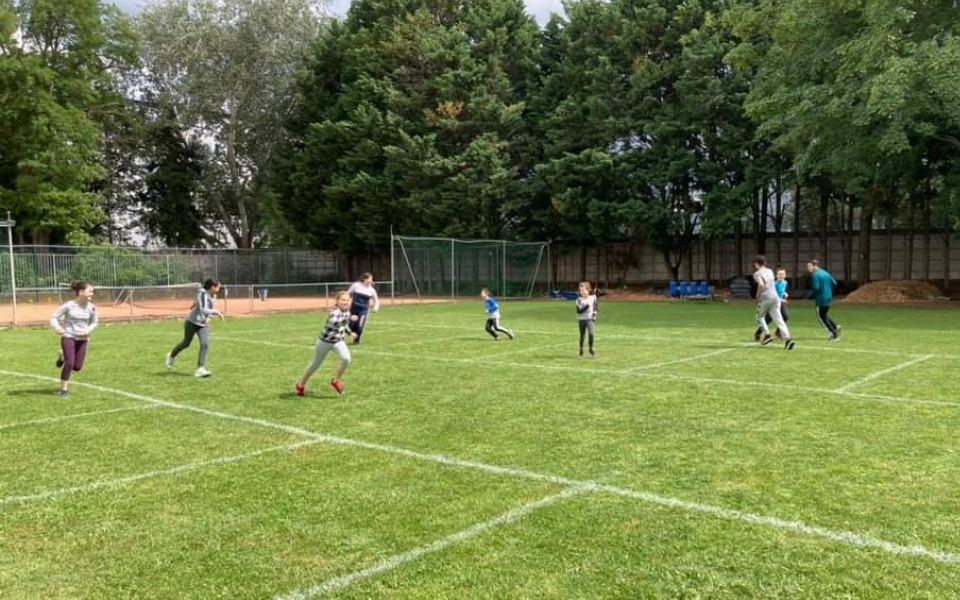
(358, 325)
(322, 349)
(190, 330)
(825, 321)
(493, 326)
(586, 326)
(74, 355)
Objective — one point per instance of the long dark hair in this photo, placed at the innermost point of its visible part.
(78, 286)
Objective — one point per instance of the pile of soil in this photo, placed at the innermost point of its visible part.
(632, 294)
(893, 291)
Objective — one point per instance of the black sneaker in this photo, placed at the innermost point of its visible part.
(789, 345)
(766, 339)
(60, 360)
(756, 335)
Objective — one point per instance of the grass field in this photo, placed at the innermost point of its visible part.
(684, 462)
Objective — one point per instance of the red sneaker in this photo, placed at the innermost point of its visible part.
(337, 387)
(301, 390)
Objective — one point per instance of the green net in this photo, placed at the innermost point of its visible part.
(446, 267)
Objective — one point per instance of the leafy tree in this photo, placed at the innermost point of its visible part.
(57, 62)
(169, 203)
(230, 73)
(411, 118)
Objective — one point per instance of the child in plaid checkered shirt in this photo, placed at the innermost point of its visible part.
(331, 338)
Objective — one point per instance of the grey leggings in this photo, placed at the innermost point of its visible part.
(586, 325)
(190, 330)
(321, 351)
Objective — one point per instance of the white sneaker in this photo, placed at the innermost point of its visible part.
(202, 372)
(169, 361)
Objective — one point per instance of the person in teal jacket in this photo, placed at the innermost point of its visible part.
(821, 282)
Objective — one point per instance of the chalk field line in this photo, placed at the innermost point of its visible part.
(847, 537)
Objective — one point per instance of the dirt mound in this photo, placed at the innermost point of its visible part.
(892, 291)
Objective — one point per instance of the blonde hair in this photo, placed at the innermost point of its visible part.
(339, 294)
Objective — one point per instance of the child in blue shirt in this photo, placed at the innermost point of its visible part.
(493, 315)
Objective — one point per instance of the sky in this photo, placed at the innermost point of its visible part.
(540, 9)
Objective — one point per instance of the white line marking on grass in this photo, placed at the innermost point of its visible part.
(399, 560)
(879, 374)
(491, 361)
(112, 483)
(845, 537)
(755, 519)
(680, 360)
(74, 416)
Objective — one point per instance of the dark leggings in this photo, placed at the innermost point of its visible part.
(493, 326)
(190, 330)
(74, 354)
(357, 326)
(586, 326)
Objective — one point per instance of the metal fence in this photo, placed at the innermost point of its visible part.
(50, 267)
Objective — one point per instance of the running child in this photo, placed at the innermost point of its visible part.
(331, 338)
(493, 315)
(197, 324)
(768, 303)
(363, 298)
(74, 321)
(587, 310)
(780, 284)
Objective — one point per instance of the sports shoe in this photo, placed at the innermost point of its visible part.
(592, 353)
(63, 393)
(838, 332)
(301, 390)
(337, 387)
(789, 345)
(60, 360)
(202, 372)
(766, 339)
(510, 334)
(581, 351)
(757, 334)
(169, 361)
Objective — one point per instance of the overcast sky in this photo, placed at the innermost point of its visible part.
(540, 9)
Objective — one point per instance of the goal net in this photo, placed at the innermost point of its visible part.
(452, 268)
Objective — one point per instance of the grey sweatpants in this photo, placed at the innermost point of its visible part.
(771, 308)
(190, 330)
(322, 349)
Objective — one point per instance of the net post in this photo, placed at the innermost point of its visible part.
(393, 275)
(453, 269)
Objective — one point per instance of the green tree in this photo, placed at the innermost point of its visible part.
(169, 205)
(411, 118)
(58, 59)
(229, 70)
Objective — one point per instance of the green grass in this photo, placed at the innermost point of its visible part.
(684, 462)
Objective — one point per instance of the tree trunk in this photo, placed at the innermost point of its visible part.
(946, 262)
(888, 251)
(823, 223)
(908, 243)
(797, 195)
(778, 221)
(863, 252)
(761, 224)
